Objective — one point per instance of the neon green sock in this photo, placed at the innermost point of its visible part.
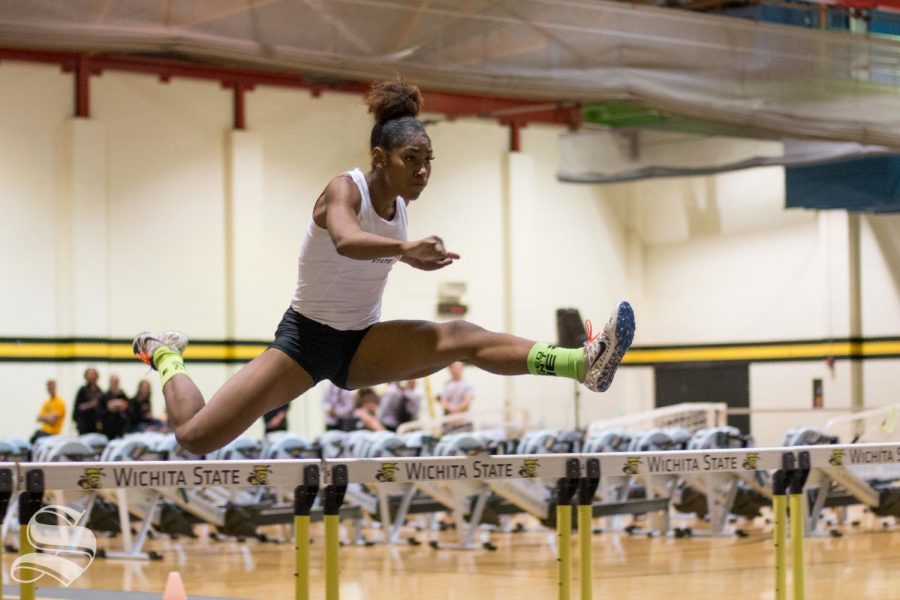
(169, 363)
(547, 359)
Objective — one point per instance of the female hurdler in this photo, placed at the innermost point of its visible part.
(332, 328)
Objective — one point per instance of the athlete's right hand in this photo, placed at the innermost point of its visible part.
(429, 253)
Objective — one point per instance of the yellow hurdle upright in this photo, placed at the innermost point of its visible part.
(304, 497)
(332, 566)
(585, 515)
(30, 502)
(798, 521)
(797, 545)
(587, 487)
(334, 497)
(301, 557)
(564, 540)
(6, 490)
(779, 507)
(780, 481)
(565, 491)
(26, 590)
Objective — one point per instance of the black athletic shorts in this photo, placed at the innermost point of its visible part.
(324, 352)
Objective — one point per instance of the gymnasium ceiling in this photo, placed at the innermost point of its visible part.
(780, 80)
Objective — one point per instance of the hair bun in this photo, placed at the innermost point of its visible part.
(389, 100)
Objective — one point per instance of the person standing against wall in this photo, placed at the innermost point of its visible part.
(456, 397)
(52, 415)
(86, 412)
(140, 410)
(114, 416)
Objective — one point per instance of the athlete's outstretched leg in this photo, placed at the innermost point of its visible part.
(269, 381)
(397, 350)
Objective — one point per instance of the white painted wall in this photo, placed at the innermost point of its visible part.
(724, 264)
(702, 260)
(145, 239)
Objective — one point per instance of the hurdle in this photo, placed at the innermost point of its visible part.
(574, 474)
(36, 478)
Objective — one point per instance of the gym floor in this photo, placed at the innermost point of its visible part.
(864, 563)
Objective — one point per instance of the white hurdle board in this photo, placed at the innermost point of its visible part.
(167, 474)
(288, 472)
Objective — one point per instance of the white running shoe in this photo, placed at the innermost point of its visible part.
(148, 342)
(604, 352)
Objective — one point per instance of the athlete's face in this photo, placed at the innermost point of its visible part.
(408, 167)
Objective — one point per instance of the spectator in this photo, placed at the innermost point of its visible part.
(457, 395)
(456, 398)
(140, 410)
(366, 411)
(338, 405)
(87, 409)
(399, 404)
(276, 420)
(114, 417)
(52, 415)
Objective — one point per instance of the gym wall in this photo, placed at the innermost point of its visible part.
(153, 214)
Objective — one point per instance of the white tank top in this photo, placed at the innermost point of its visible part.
(342, 292)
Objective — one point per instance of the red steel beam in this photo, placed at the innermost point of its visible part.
(82, 87)
(452, 104)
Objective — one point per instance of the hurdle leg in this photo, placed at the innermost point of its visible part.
(779, 507)
(564, 538)
(565, 491)
(798, 521)
(332, 566)
(334, 497)
(26, 590)
(29, 503)
(301, 557)
(781, 479)
(304, 497)
(585, 515)
(6, 489)
(797, 545)
(587, 487)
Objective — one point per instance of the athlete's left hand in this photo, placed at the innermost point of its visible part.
(431, 265)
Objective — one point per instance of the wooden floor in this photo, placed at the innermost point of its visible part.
(859, 565)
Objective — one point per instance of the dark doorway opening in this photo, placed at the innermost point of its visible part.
(706, 382)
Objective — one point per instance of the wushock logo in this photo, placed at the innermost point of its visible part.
(529, 468)
(837, 458)
(387, 473)
(64, 550)
(260, 475)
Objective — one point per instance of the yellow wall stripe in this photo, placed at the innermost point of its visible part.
(41, 350)
(767, 352)
(120, 351)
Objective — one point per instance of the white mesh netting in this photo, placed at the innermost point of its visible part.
(789, 80)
